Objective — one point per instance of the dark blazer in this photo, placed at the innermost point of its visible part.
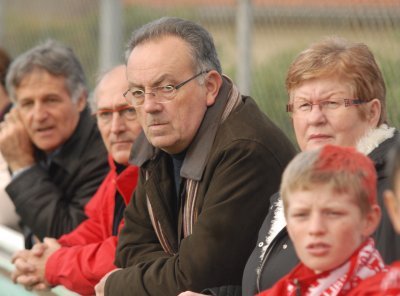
(386, 239)
(50, 201)
(241, 168)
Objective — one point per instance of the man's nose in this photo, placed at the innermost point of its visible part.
(40, 112)
(117, 123)
(151, 105)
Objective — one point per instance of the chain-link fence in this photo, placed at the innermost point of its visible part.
(280, 29)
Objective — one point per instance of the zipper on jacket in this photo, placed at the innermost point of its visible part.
(266, 255)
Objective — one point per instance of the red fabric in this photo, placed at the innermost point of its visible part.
(365, 262)
(88, 252)
(382, 284)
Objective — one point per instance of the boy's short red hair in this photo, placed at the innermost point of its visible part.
(344, 168)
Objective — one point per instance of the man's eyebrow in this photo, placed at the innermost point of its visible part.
(112, 108)
(158, 81)
(24, 99)
(121, 105)
(104, 108)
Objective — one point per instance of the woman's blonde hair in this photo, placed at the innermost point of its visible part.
(351, 62)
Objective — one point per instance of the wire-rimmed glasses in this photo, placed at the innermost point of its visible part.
(163, 94)
(303, 107)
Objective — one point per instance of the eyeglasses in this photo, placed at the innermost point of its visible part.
(305, 107)
(125, 111)
(163, 94)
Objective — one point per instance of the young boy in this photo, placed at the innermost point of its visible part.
(329, 198)
(388, 283)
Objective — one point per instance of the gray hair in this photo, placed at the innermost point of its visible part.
(56, 59)
(200, 40)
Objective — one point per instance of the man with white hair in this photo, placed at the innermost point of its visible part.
(78, 260)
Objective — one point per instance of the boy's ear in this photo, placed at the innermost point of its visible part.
(373, 218)
(392, 207)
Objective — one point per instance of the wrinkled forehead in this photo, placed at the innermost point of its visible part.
(111, 102)
(156, 56)
(323, 88)
(41, 82)
(111, 94)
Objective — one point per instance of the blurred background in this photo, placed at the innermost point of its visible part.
(256, 39)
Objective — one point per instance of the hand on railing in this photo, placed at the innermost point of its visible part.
(30, 265)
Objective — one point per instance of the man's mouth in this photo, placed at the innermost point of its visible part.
(44, 129)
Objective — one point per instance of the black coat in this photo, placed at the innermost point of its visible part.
(262, 272)
(51, 201)
(280, 256)
(386, 240)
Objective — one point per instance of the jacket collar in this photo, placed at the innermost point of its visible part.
(126, 180)
(374, 138)
(377, 143)
(69, 155)
(197, 152)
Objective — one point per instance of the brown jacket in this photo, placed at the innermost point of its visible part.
(238, 166)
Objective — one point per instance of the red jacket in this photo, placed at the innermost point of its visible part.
(88, 252)
(385, 283)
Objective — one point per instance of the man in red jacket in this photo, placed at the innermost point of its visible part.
(78, 260)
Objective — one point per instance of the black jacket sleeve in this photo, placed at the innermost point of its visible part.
(51, 201)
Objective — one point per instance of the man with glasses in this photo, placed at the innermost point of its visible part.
(208, 160)
(78, 260)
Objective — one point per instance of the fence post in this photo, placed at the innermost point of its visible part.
(244, 21)
(110, 51)
(2, 22)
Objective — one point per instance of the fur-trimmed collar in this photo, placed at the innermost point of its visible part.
(374, 138)
(277, 224)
